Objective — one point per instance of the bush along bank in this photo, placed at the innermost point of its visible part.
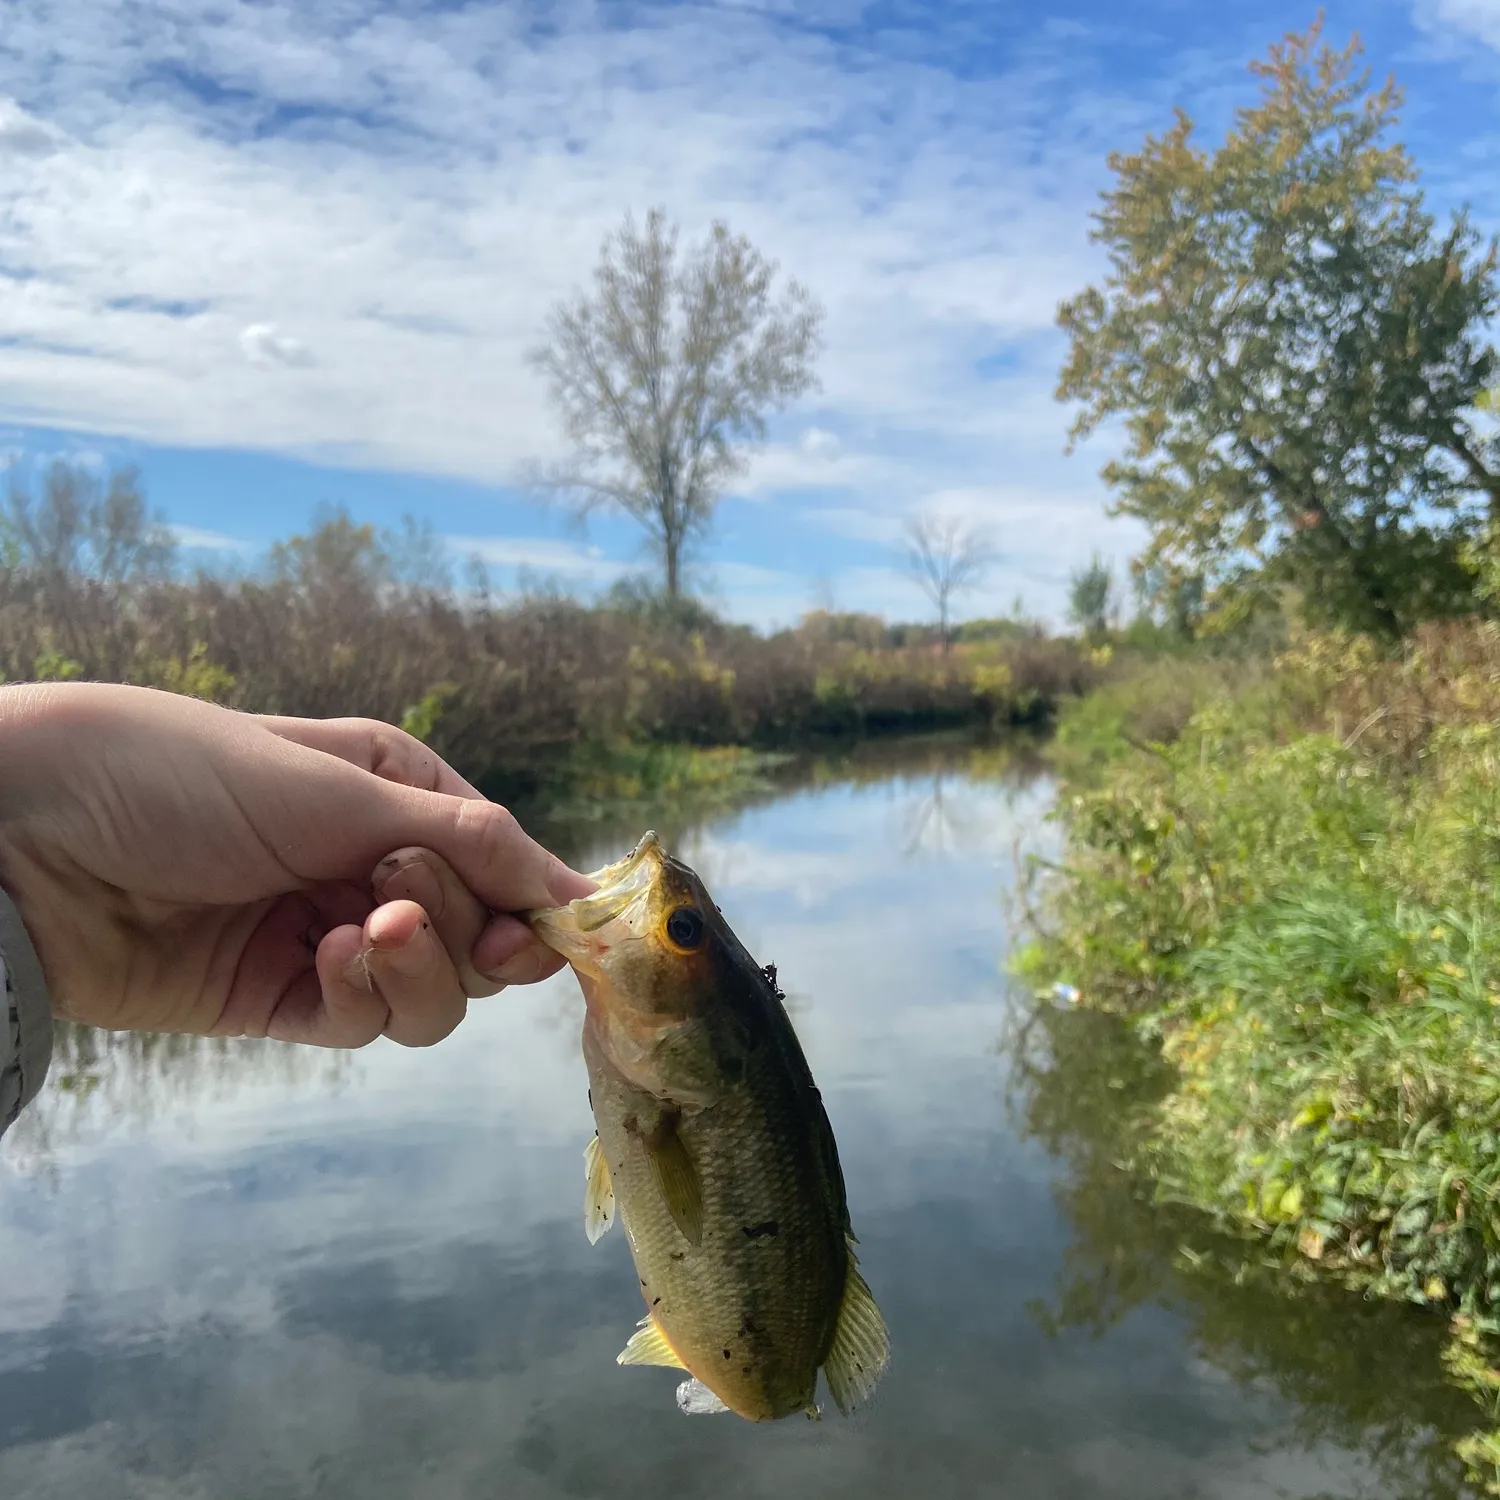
(533, 697)
(1295, 898)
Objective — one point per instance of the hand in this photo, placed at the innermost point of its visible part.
(182, 867)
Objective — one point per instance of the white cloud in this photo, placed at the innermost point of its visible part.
(452, 174)
(859, 524)
(263, 344)
(1477, 18)
(199, 538)
(580, 563)
(794, 467)
(819, 443)
(203, 194)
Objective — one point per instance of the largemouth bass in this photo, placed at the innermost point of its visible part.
(713, 1144)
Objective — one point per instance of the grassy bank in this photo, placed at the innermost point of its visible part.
(1287, 880)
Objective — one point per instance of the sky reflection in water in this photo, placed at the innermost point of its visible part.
(250, 1272)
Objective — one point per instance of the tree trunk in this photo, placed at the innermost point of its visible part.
(672, 547)
(1293, 497)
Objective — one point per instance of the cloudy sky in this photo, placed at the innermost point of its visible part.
(281, 254)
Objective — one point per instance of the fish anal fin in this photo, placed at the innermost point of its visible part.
(861, 1347)
(677, 1180)
(648, 1346)
(695, 1398)
(599, 1199)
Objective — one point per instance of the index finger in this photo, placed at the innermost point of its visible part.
(327, 818)
(374, 746)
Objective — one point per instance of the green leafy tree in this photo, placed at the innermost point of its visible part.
(1091, 596)
(1296, 352)
(665, 373)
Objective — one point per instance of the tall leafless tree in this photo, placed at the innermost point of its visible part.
(664, 373)
(947, 556)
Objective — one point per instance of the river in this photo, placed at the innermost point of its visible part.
(232, 1271)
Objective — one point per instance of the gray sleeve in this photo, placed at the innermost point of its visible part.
(25, 1018)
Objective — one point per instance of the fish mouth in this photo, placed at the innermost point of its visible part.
(567, 929)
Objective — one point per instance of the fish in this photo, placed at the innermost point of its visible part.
(713, 1148)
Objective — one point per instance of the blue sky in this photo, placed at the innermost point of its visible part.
(282, 254)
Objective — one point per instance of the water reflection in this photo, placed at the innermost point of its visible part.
(377, 1284)
(101, 1080)
(1360, 1374)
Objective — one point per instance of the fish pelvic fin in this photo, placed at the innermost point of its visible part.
(648, 1346)
(861, 1347)
(677, 1180)
(599, 1197)
(696, 1400)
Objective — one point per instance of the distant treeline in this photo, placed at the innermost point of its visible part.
(350, 620)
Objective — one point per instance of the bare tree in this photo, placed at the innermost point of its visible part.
(665, 372)
(947, 556)
(82, 527)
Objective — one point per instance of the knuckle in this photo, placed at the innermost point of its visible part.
(391, 753)
(491, 827)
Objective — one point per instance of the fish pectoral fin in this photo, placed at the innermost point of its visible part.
(861, 1346)
(648, 1346)
(695, 1398)
(599, 1198)
(677, 1180)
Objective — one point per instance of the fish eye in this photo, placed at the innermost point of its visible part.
(685, 927)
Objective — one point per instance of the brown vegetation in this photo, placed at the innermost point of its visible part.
(504, 690)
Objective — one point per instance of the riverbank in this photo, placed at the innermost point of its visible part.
(1286, 880)
(538, 698)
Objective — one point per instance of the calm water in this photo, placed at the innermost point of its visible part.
(249, 1272)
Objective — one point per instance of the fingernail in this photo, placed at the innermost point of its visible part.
(414, 957)
(567, 885)
(413, 881)
(520, 968)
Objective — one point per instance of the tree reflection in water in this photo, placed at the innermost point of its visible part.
(101, 1080)
(1361, 1374)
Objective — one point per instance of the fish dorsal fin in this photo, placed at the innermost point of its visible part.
(695, 1398)
(677, 1180)
(861, 1344)
(648, 1346)
(599, 1198)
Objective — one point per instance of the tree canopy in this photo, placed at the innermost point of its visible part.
(1091, 595)
(665, 373)
(1297, 352)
